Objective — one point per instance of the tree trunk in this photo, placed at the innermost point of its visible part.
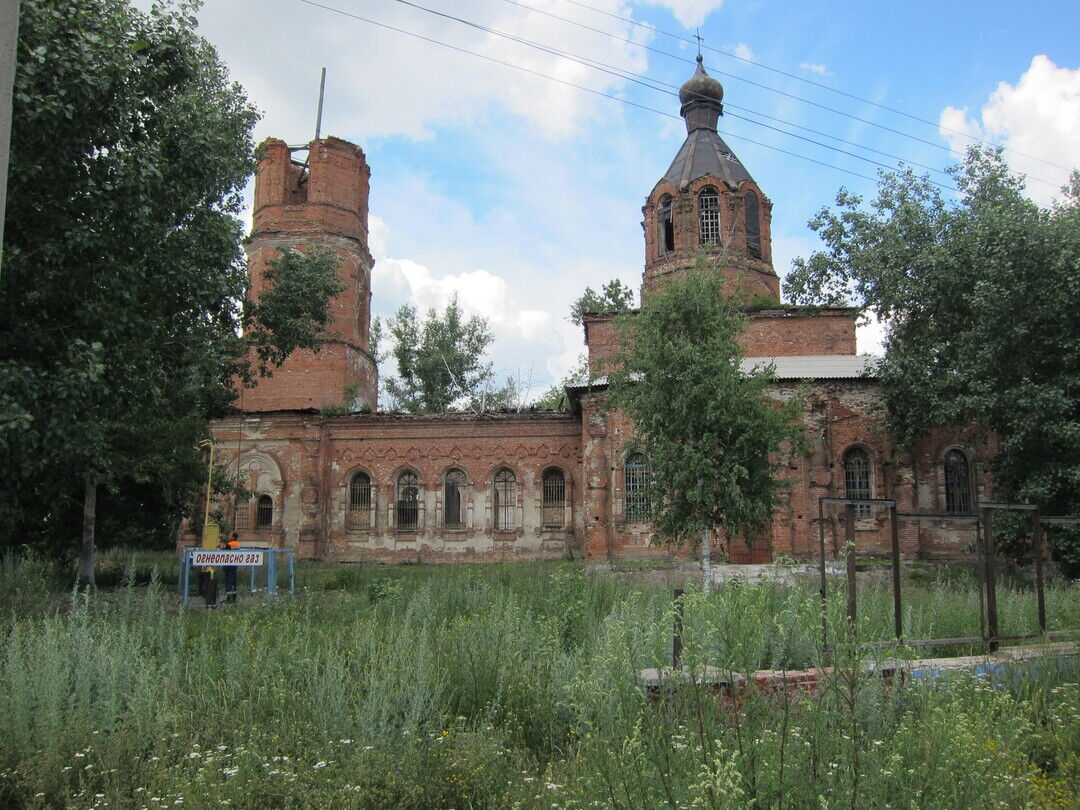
(706, 560)
(86, 559)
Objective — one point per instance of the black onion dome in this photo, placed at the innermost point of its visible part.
(701, 87)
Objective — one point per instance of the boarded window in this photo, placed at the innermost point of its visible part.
(264, 512)
(554, 501)
(857, 478)
(454, 500)
(408, 501)
(709, 216)
(359, 515)
(242, 515)
(666, 225)
(504, 501)
(751, 209)
(636, 475)
(957, 483)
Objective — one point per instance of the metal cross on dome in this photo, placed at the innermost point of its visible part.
(697, 36)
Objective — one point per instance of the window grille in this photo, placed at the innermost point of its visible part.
(666, 225)
(359, 514)
(554, 502)
(957, 483)
(408, 501)
(454, 500)
(636, 487)
(709, 216)
(264, 512)
(242, 516)
(504, 501)
(751, 210)
(857, 478)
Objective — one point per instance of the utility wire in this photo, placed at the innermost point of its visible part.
(495, 60)
(650, 83)
(780, 72)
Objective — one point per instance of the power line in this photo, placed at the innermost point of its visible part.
(780, 72)
(644, 81)
(495, 60)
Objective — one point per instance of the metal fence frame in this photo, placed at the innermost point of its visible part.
(988, 620)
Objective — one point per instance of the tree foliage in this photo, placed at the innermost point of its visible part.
(614, 298)
(981, 295)
(707, 428)
(122, 317)
(440, 358)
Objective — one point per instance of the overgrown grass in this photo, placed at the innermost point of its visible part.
(513, 685)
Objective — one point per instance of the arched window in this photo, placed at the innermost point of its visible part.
(454, 500)
(666, 225)
(751, 210)
(554, 498)
(264, 512)
(359, 514)
(408, 501)
(242, 515)
(636, 480)
(709, 216)
(957, 483)
(857, 478)
(504, 500)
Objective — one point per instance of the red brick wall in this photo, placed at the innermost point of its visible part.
(791, 333)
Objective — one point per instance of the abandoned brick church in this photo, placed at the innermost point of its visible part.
(461, 487)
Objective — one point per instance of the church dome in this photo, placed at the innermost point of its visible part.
(701, 87)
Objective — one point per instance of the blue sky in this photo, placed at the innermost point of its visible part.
(516, 192)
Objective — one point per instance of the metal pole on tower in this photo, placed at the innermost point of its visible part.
(322, 91)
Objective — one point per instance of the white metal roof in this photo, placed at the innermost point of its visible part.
(816, 366)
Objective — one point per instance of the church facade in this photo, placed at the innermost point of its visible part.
(335, 479)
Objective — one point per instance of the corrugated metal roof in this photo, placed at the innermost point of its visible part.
(817, 367)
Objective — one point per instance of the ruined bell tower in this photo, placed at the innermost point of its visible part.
(299, 204)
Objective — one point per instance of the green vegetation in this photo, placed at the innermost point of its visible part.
(979, 293)
(506, 686)
(614, 298)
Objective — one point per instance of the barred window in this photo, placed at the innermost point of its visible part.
(408, 501)
(666, 225)
(359, 515)
(752, 212)
(554, 501)
(242, 515)
(264, 512)
(454, 500)
(957, 483)
(709, 216)
(857, 478)
(504, 500)
(636, 475)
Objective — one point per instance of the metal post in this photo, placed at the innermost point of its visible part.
(318, 118)
(706, 560)
(292, 572)
(824, 599)
(676, 640)
(898, 624)
(1037, 541)
(251, 579)
(849, 541)
(991, 589)
(271, 574)
(186, 566)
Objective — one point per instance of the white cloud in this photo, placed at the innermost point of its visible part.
(815, 67)
(1038, 117)
(870, 335)
(742, 50)
(689, 13)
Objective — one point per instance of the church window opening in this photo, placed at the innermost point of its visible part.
(751, 209)
(454, 500)
(242, 515)
(957, 483)
(359, 515)
(857, 478)
(504, 501)
(408, 501)
(709, 216)
(666, 225)
(636, 474)
(554, 502)
(264, 512)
